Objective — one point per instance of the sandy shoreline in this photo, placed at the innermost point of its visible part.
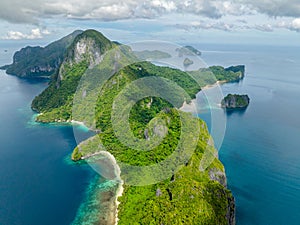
(120, 188)
(191, 107)
(78, 123)
(119, 194)
(218, 83)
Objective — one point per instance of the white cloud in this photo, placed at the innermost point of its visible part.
(233, 8)
(275, 8)
(169, 6)
(264, 27)
(30, 11)
(34, 34)
(215, 11)
(296, 24)
(293, 25)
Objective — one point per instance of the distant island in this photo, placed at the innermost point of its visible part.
(235, 101)
(152, 55)
(190, 195)
(188, 51)
(187, 62)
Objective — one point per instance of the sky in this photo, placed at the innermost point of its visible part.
(212, 21)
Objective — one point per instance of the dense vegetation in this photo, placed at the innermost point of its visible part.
(209, 76)
(38, 61)
(186, 194)
(187, 197)
(55, 103)
(230, 74)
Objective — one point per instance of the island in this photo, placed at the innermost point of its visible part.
(192, 194)
(234, 101)
(152, 55)
(187, 62)
(188, 51)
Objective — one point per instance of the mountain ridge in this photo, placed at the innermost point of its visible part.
(34, 62)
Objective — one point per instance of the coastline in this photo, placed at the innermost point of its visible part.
(119, 193)
(191, 107)
(78, 123)
(218, 83)
(113, 202)
(120, 188)
(59, 122)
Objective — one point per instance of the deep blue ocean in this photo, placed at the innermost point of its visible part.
(38, 182)
(261, 150)
(40, 185)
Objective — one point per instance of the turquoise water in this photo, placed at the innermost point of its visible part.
(260, 151)
(38, 182)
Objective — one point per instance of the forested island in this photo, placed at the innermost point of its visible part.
(152, 55)
(190, 195)
(188, 51)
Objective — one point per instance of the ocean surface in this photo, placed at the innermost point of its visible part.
(38, 182)
(261, 150)
(40, 185)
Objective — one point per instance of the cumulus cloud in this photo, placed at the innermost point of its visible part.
(30, 11)
(34, 34)
(275, 8)
(33, 11)
(16, 11)
(296, 24)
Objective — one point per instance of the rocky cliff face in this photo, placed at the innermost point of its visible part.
(235, 101)
(231, 211)
(220, 177)
(88, 47)
(237, 69)
(86, 51)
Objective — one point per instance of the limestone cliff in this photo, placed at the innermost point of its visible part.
(235, 101)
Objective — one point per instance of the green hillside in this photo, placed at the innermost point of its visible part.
(177, 190)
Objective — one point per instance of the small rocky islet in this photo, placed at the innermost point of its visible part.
(235, 101)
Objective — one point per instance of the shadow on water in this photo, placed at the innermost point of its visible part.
(239, 111)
